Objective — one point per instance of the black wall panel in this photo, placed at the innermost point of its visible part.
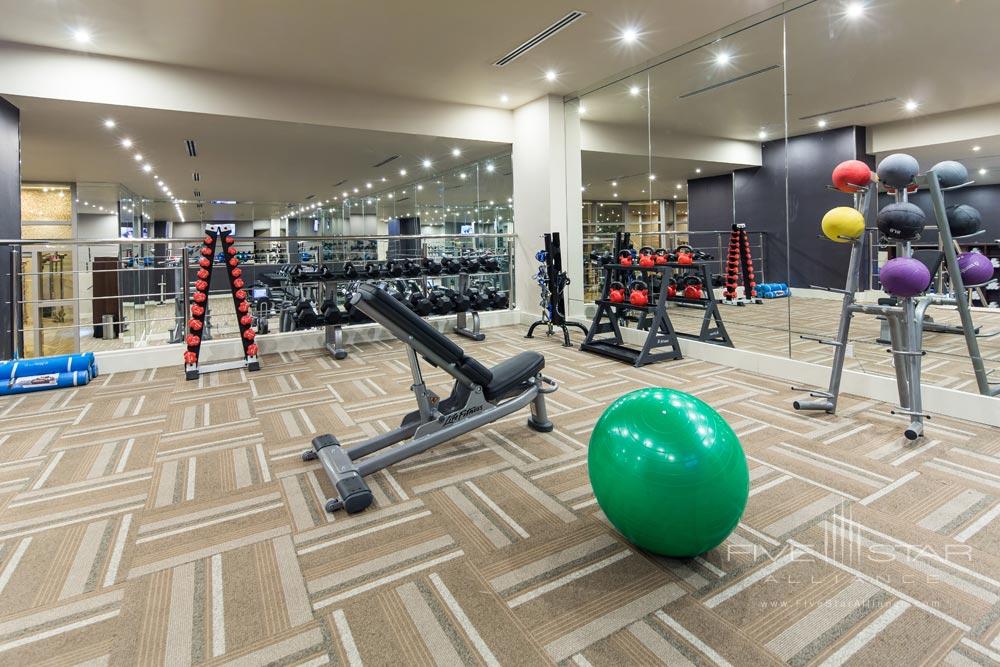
(10, 210)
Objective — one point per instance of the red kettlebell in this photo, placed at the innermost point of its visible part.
(246, 320)
(199, 297)
(204, 262)
(200, 285)
(190, 358)
(236, 273)
(646, 260)
(208, 240)
(639, 296)
(252, 350)
(660, 256)
(249, 334)
(231, 251)
(195, 325)
(229, 240)
(193, 341)
(238, 282)
(616, 292)
(625, 258)
(197, 310)
(233, 261)
(672, 288)
(244, 307)
(202, 274)
(240, 295)
(692, 287)
(206, 251)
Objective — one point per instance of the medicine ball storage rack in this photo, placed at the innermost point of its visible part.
(653, 317)
(214, 236)
(905, 319)
(553, 282)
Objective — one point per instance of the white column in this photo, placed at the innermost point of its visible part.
(539, 160)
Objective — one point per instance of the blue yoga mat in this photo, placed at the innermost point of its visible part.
(63, 363)
(45, 381)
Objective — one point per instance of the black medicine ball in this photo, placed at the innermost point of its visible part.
(902, 221)
(963, 220)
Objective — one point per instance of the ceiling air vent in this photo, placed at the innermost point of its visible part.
(197, 193)
(561, 24)
(192, 151)
(340, 182)
(852, 108)
(384, 162)
(196, 177)
(728, 81)
(310, 196)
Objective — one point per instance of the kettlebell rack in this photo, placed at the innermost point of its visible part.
(215, 236)
(652, 317)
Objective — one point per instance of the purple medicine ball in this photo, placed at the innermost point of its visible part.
(976, 268)
(904, 276)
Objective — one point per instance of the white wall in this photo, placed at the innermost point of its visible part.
(63, 75)
(963, 125)
(620, 139)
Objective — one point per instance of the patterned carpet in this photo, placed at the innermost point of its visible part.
(149, 520)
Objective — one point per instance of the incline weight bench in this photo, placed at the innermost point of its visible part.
(480, 396)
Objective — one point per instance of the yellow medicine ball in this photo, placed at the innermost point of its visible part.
(843, 223)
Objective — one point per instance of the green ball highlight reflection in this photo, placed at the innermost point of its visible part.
(668, 472)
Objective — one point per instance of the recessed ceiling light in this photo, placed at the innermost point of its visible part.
(490, 168)
(109, 123)
(821, 122)
(82, 35)
(582, 188)
(420, 187)
(614, 184)
(355, 191)
(976, 149)
(504, 99)
(138, 157)
(982, 172)
(722, 58)
(456, 151)
(614, 194)
(462, 176)
(634, 90)
(911, 105)
(147, 168)
(678, 186)
(402, 172)
(697, 170)
(762, 134)
(390, 195)
(675, 196)
(345, 193)
(368, 185)
(652, 177)
(855, 10)
(629, 35)
(126, 143)
(550, 75)
(382, 179)
(427, 163)
(582, 109)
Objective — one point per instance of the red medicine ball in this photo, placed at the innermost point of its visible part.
(850, 174)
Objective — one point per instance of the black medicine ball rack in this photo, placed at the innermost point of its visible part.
(653, 317)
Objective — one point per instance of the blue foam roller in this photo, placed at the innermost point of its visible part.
(45, 381)
(62, 363)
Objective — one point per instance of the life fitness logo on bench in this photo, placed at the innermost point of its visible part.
(448, 420)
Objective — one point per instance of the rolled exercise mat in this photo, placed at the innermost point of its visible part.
(63, 363)
(47, 381)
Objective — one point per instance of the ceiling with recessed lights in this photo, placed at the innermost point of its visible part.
(895, 59)
(437, 49)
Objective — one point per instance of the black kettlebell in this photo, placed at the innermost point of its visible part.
(350, 271)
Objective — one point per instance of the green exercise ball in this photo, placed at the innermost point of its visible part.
(668, 472)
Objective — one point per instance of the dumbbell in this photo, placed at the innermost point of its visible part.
(331, 313)
(646, 259)
(305, 315)
(420, 304)
(394, 268)
(478, 299)
(451, 266)
(692, 287)
(372, 269)
(499, 299)
(490, 263)
(469, 264)
(432, 266)
(411, 269)
(460, 302)
(639, 294)
(440, 302)
(350, 271)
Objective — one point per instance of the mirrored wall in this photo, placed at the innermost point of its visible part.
(745, 127)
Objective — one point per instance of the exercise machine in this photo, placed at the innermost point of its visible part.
(553, 282)
(479, 396)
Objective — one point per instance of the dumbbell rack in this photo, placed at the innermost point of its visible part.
(740, 261)
(216, 235)
(461, 319)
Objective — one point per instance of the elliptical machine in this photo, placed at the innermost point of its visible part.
(553, 282)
